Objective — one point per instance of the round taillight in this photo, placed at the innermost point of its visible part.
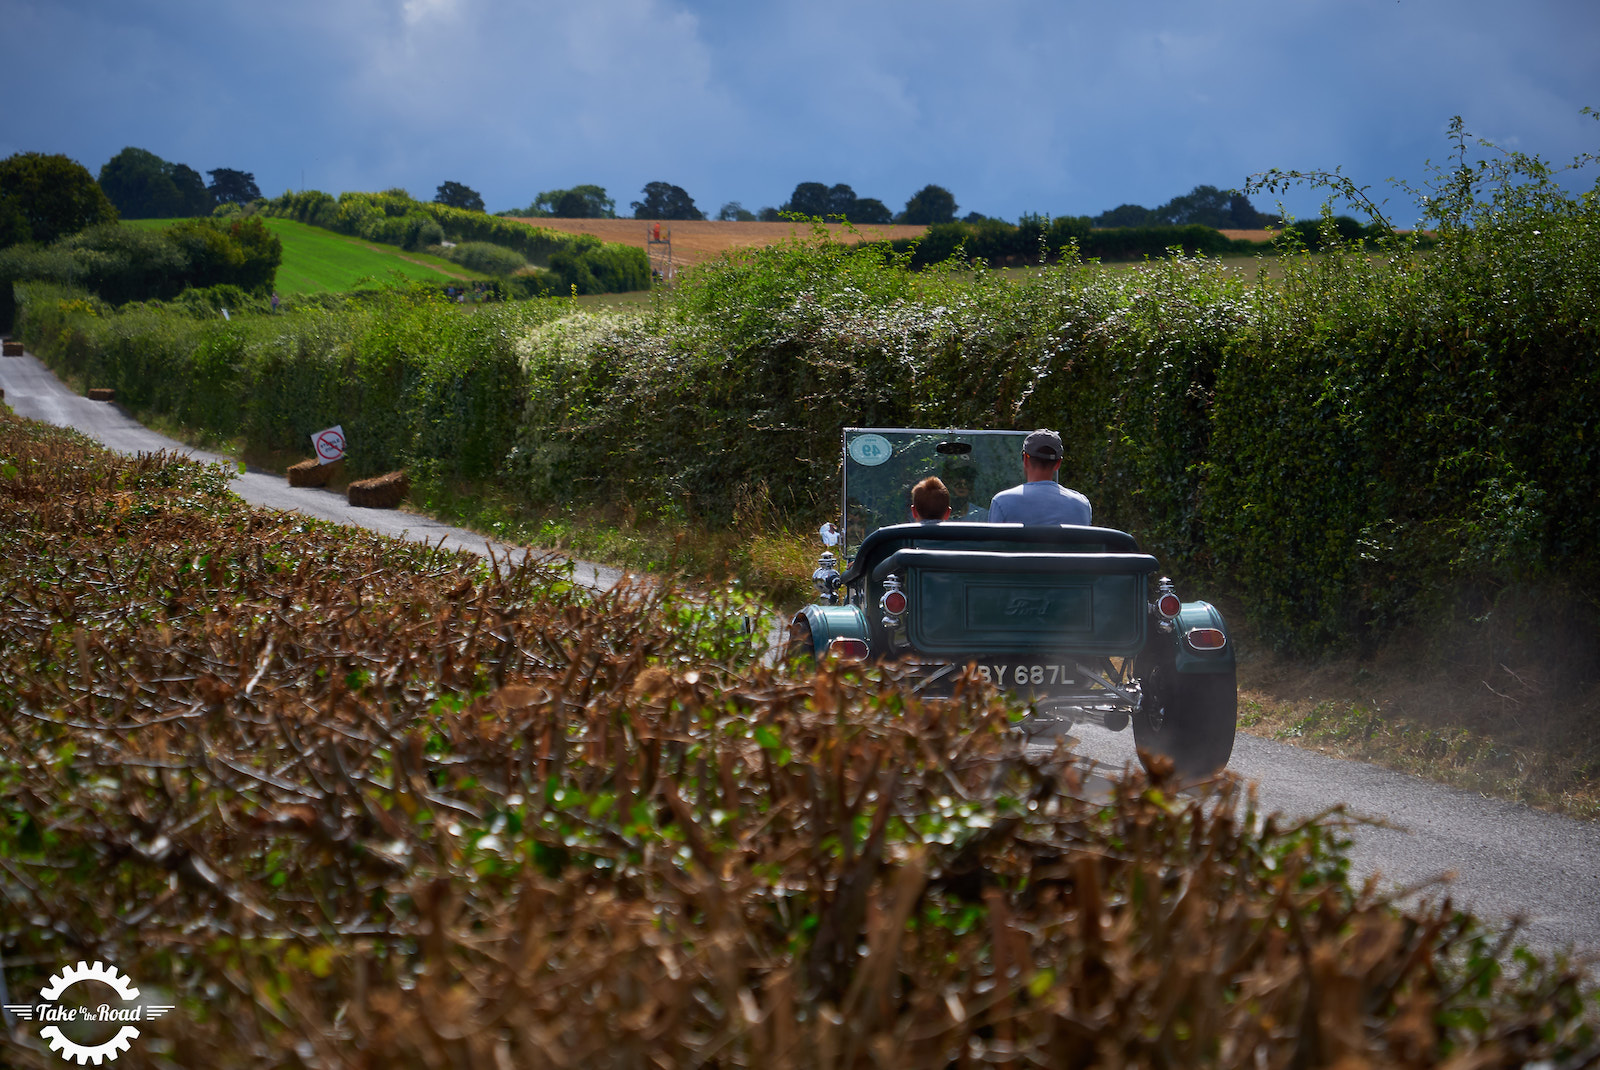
(1169, 605)
(1206, 638)
(894, 602)
(849, 649)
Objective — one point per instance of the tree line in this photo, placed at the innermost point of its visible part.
(1203, 206)
(138, 184)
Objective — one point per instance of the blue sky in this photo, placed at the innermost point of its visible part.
(1068, 107)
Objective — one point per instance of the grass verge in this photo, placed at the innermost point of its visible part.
(1406, 711)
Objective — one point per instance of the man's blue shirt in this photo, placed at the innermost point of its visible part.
(1043, 501)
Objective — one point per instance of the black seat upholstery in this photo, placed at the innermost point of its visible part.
(1001, 538)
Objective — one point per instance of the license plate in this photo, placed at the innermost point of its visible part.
(1026, 674)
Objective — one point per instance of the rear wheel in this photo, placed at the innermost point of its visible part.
(1189, 718)
(799, 655)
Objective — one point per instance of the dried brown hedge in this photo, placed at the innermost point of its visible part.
(354, 802)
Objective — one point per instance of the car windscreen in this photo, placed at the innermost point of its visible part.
(881, 465)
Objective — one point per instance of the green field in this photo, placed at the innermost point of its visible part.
(320, 261)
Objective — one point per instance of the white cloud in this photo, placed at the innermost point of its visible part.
(417, 11)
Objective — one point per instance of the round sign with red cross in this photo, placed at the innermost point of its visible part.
(329, 444)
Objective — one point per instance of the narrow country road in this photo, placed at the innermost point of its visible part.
(32, 390)
(1507, 859)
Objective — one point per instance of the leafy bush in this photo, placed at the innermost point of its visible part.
(1316, 233)
(430, 233)
(122, 264)
(1132, 243)
(593, 266)
(487, 258)
(1035, 239)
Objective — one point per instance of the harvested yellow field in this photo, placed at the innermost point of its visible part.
(695, 241)
(1249, 235)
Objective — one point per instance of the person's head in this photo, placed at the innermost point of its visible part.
(1041, 454)
(930, 500)
(959, 477)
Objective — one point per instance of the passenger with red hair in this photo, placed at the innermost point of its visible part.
(930, 501)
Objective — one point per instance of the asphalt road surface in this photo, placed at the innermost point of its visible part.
(1507, 860)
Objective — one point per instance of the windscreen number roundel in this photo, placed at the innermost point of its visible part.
(870, 450)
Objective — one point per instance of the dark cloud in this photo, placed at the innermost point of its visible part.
(1015, 105)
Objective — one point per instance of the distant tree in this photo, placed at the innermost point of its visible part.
(1209, 206)
(45, 197)
(809, 198)
(586, 202)
(1124, 215)
(579, 202)
(840, 201)
(140, 184)
(871, 210)
(456, 195)
(233, 187)
(735, 212)
(662, 200)
(543, 205)
(14, 230)
(1244, 214)
(192, 193)
(770, 214)
(929, 205)
(974, 217)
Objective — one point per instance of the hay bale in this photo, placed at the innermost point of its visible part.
(12, 349)
(313, 473)
(102, 393)
(380, 492)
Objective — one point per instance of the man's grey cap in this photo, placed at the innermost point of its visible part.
(1043, 445)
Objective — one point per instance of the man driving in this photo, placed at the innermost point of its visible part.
(959, 476)
(1041, 500)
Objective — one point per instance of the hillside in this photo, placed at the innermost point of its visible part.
(320, 261)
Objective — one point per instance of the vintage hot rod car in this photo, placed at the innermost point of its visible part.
(1071, 619)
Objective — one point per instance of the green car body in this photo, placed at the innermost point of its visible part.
(1072, 619)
